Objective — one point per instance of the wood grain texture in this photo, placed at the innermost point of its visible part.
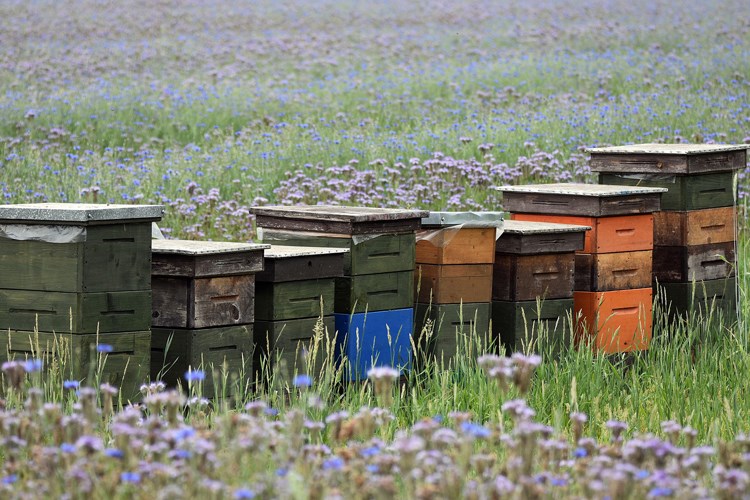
(695, 227)
(535, 244)
(126, 366)
(339, 227)
(302, 268)
(294, 347)
(119, 252)
(613, 271)
(705, 299)
(528, 277)
(203, 302)
(531, 326)
(686, 192)
(294, 299)
(614, 322)
(453, 284)
(223, 353)
(669, 163)
(445, 330)
(374, 292)
(456, 246)
(79, 313)
(204, 266)
(628, 233)
(581, 206)
(680, 264)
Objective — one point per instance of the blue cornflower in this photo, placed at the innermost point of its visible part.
(70, 384)
(114, 453)
(184, 433)
(10, 479)
(475, 430)
(33, 365)
(104, 348)
(130, 477)
(661, 491)
(67, 448)
(580, 453)
(302, 381)
(334, 463)
(195, 375)
(244, 493)
(282, 471)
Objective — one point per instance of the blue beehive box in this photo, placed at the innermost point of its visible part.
(380, 338)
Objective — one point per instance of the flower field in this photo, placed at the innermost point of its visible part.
(211, 108)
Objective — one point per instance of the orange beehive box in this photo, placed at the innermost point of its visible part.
(456, 245)
(613, 322)
(695, 227)
(453, 284)
(621, 233)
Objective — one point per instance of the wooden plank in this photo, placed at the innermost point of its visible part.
(528, 277)
(294, 299)
(381, 338)
(85, 214)
(707, 298)
(224, 353)
(126, 366)
(608, 234)
(533, 326)
(78, 313)
(444, 330)
(338, 219)
(121, 252)
(203, 259)
(456, 245)
(675, 264)
(294, 346)
(613, 271)
(290, 263)
(695, 227)
(372, 254)
(614, 322)
(534, 238)
(686, 192)
(374, 292)
(582, 200)
(203, 302)
(669, 158)
(453, 284)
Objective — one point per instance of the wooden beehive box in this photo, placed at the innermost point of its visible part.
(542, 326)
(705, 298)
(374, 292)
(582, 200)
(614, 322)
(677, 264)
(124, 364)
(296, 263)
(536, 260)
(453, 284)
(339, 220)
(200, 284)
(669, 158)
(454, 328)
(69, 247)
(685, 192)
(225, 354)
(292, 346)
(458, 238)
(695, 227)
(612, 271)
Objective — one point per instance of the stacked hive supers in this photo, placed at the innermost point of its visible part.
(296, 290)
(613, 271)
(204, 301)
(374, 300)
(532, 292)
(453, 282)
(695, 233)
(75, 282)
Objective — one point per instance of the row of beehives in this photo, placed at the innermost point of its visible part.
(85, 272)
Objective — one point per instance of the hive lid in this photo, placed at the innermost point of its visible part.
(573, 189)
(529, 227)
(443, 219)
(78, 213)
(668, 149)
(286, 252)
(191, 247)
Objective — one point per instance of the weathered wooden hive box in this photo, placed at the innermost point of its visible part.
(533, 279)
(615, 262)
(378, 279)
(295, 293)
(453, 282)
(74, 277)
(695, 231)
(203, 310)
